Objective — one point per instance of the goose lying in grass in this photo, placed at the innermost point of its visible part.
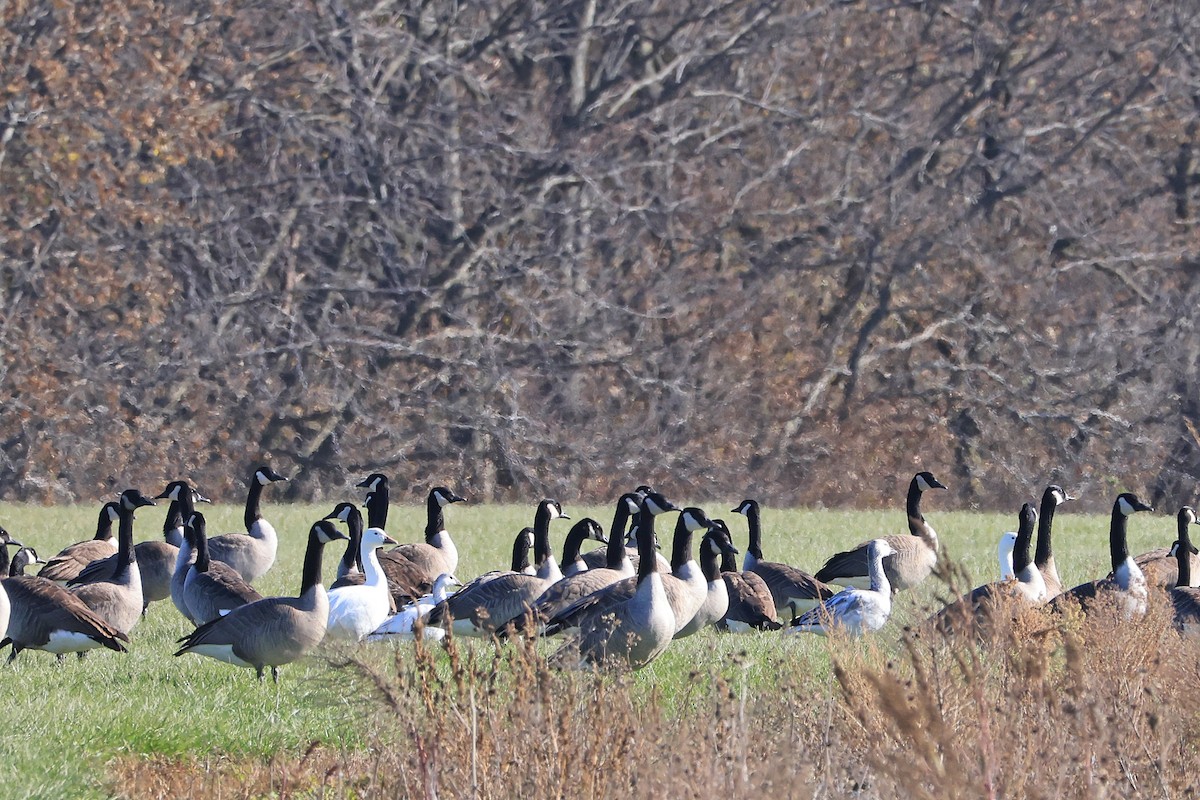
(854, 611)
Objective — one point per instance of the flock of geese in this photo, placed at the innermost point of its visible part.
(620, 605)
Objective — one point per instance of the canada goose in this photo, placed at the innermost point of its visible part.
(793, 589)
(437, 554)
(581, 531)
(627, 507)
(355, 611)
(491, 606)
(405, 580)
(210, 588)
(635, 631)
(1052, 498)
(1161, 565)
(22, 560)
(251, 553)
(183, 497)
(156, 560)
(276, 630)
(1027, 586)
(401, 625)
(118, 600)
(1184, 597)
(71, 560)
(853, 610)
(522, 547)
(751, 605)
(45, 616)
(568, 617)
(715, 543)
(378, 499)
(1126, 578)
(913, 557)
(573, 588)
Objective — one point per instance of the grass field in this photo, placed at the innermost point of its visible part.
(74, 729)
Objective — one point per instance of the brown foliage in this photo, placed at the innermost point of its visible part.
(788, 247)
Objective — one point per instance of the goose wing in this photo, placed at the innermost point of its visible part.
(72, 560)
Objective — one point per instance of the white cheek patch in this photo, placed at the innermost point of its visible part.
(1125, 507)
(922, 484)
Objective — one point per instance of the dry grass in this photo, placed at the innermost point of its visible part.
(1054, 708)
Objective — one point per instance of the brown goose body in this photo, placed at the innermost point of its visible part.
(438, 553)
(212, 592)
(71, 560)
(914, 556)
(751, 605)
(276, 630)
(253, 552)
(45, 616)
(793, 590)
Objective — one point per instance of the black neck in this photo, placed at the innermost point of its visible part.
(755, 526)
(541, 534)
(728, 561)
(647, 558)
(124, 540)
(187, 504)
(574, 541)
(435, 521)
(351, 557)
(520, 554)
(1183, 559)
(1118, 546)
(377, 502)
(200, 542)
(104, 525)
(681, 546)
(312, 562)
(173, 520)
(253, 498)
(4, 561)
(708, 560)
(1021, 549)
(354, 527)
(913, 503)
(619, 523)
(1045, 520)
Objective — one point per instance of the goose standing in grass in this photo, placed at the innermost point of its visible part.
(211, 589)
(636, 630)
(118, 599)
(438, 553)
(156, 560)
(71, 560)
(854, 611)
(913, 557)
(405, 580)
(1185, 598)
(1052, 498)
(403, 623)
(627, 507)
(45, 616)
(491, 606)
(714, 544)
(276, 630)
(1126, 579)
(1161, 565)
(1027, 586)
(251, 553)
(582, 531)
(183, 498)
(355, 611)
(751, 606)
(793, 589)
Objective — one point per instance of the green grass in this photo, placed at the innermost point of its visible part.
(66, 722)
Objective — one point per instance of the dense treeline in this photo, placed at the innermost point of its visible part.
(787, 248)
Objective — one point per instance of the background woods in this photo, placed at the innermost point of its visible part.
(787, 248)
